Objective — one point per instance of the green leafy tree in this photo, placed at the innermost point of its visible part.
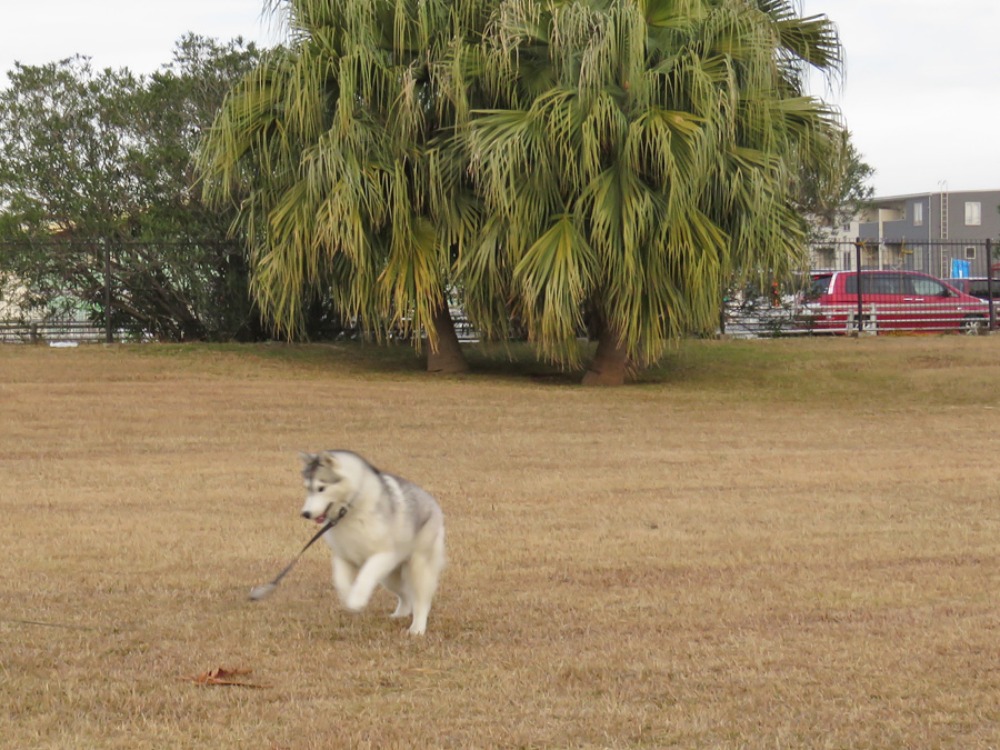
(833, 183)
(97, 193)
(62, 142)
(341, 142)
(638, 155)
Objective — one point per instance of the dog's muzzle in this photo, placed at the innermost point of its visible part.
(321, 518)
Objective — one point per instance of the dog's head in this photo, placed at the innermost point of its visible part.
(328, 481)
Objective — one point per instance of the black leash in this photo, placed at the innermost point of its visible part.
(259, 592)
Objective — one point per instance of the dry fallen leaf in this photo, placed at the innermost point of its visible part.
(223, 676)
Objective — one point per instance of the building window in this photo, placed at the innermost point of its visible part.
(970, 253)
(918, 214)
(973, 213)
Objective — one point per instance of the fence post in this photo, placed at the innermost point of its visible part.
(108, 337)
(857, 269)
(989, 284)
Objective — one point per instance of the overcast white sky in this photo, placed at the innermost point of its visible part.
(120, 33)
(922, 90)
(921, 94)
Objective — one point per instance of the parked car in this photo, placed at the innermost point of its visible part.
(889, 301)
(978, 286)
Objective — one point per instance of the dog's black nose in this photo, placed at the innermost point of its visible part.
(306, 514)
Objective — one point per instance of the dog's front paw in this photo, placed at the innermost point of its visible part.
(356, 601)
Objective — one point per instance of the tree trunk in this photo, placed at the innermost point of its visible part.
(609, 365)
(447, 356)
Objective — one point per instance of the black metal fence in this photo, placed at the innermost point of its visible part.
(117, 290)
(865, 287)
(847, 287)
(66, 287)
(41, 331)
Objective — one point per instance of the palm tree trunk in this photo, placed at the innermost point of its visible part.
(610, 362)
(447, 356)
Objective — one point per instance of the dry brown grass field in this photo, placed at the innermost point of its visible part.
(774, 544)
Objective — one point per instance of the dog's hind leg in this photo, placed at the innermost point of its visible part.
(398, 583)
(425, 570)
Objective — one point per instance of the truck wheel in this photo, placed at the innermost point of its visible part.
(974, 325)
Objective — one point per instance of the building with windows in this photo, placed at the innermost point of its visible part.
(922, 232)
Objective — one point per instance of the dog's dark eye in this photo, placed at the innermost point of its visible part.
(320, 489)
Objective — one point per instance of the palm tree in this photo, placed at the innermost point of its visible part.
(637, 155)
(338, 149)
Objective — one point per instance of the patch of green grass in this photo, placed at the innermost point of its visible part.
(888, 371)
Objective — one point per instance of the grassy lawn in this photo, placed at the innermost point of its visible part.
(771, 544)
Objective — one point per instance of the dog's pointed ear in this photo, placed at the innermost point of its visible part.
(328, 460)
(307, 458)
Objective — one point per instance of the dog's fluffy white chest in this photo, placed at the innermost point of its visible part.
(357, 539)
(373, 525)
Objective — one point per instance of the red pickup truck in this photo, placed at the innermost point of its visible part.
(889, 301)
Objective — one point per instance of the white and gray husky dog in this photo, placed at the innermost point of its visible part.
(389, 532)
